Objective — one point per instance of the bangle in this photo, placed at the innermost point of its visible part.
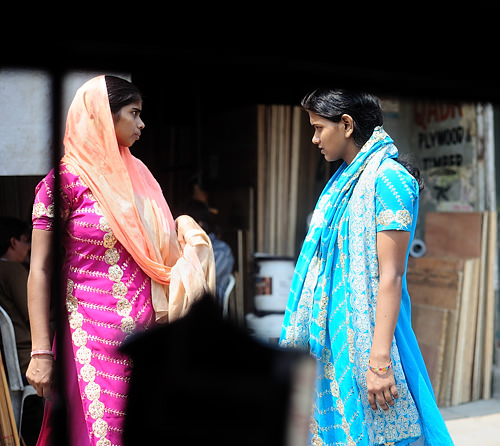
(42, 352)
(380, 369)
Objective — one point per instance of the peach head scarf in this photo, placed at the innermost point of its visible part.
(134, 205)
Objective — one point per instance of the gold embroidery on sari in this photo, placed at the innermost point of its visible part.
(120, 289)
(115, 273)
(316, 441)
(111, 256)
(402, 217)
(87, 371)
(109, 240)
(104, 225)
(80, 337)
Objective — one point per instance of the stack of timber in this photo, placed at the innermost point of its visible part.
(279, 143)
(8, 428)
(452, 294)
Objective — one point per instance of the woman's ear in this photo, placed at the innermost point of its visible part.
(348, 124)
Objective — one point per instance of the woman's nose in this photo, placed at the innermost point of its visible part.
(315, 140)
(141, 124)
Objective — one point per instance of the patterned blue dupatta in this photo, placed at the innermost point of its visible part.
(331, 311)
(323, 234)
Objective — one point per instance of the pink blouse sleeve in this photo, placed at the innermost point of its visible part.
(43, 206)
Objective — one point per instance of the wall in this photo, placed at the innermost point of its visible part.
(25, 114)
(444, 140)
(441, 139)
(25, 133)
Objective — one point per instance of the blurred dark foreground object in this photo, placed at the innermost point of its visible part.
(202, 380)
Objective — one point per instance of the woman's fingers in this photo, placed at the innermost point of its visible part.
(372, 400)
(388, 398)
(382, 402)
(378, 401)
(46, 392)
(394, 392)
(383, 399)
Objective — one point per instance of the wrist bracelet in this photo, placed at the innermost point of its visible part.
(380, 369)
(42, 352)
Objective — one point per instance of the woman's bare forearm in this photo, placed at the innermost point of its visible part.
(387, 312)
(39, 283)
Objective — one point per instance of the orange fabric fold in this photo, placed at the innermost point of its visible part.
(134, 206)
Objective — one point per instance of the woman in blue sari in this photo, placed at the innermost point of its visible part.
(349, 304)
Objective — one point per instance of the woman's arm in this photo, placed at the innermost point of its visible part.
(391, 251)
(39, 373)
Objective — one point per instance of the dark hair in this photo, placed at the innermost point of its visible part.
(365, 111)
(363, 108)
(199, 211)
(121, 93)
(414, 172)
(11, 227)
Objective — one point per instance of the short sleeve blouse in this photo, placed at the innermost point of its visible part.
(396, 195)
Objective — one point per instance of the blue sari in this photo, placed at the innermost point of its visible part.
(332, 303)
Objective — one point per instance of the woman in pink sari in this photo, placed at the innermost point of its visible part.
(127, 264)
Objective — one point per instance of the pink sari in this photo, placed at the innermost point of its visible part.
(108, 297)
(123, 268)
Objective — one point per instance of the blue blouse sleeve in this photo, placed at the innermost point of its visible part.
(396, 193)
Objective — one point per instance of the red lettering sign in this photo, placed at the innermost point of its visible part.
(427, 112)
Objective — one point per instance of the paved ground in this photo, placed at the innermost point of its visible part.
(476, 423)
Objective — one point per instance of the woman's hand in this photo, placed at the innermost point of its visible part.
(381, 389)
(183, 224)
(40, 373)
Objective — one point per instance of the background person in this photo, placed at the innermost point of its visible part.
(223, 256)
(15, 246)
(14, 250)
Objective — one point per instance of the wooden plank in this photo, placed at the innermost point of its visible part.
(8, 428)
(294, 180)
(461, 387)
(489, 308)
(240, 280)
(453, 234)
(283, 179)
(261, 176)
(435, 281)
(273, 153)
(477, 372)
(446, 386)
(430, 326)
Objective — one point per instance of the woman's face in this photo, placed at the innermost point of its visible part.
(128, 124)
(333, 138)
